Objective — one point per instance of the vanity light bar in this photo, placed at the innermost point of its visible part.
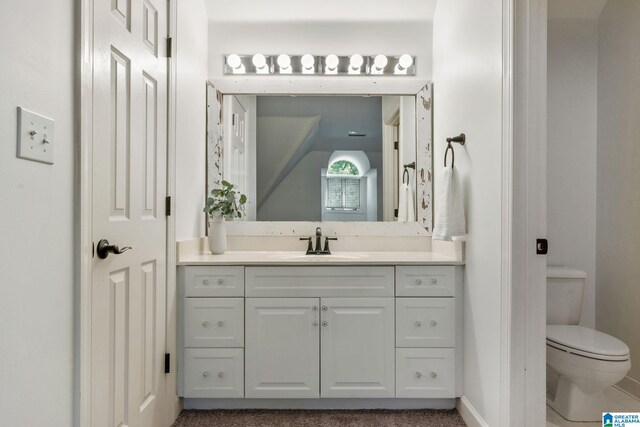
(353, 65)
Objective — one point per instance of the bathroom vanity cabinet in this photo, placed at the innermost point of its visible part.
(291, 332)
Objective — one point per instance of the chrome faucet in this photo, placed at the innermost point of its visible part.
(319, 250)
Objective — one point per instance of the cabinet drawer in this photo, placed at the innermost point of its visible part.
(425, 322)
(213, 372)
(214, 281)
(425, 281)
(214, 322)
(319, 281)
(425, 372)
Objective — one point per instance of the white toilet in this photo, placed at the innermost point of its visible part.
(581, 362)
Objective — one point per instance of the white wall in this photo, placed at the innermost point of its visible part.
(618, 224)
(342, 38)
(191, 59)
(467, 67)
(282, 140)
(37, 66)
(298, 197)
(571, 150)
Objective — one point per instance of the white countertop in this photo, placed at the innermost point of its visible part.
(299, 258)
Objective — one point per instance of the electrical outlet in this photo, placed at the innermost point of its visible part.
(35, 136)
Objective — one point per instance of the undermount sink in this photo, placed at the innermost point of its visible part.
(284, 256)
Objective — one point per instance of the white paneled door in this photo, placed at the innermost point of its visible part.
(129, 188)
(236, 145)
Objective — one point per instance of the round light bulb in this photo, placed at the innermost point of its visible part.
(284, 61)
(380, 62)
(356, 61)
(259, 60)
(307, 61)
(234, 61)
(405, 61)
(332, 62)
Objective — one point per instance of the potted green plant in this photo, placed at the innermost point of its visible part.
(224, 203)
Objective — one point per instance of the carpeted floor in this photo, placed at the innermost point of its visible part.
(294, 418)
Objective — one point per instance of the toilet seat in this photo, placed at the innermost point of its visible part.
(586, 342)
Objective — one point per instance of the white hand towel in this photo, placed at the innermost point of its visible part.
(411, 209)
(450, 220)
(406, 206)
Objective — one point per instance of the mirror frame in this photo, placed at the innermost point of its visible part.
(424, 135)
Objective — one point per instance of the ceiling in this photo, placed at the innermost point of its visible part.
(575, 9)
(320, 11)
(339, 115)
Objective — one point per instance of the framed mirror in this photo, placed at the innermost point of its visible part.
(347, 158)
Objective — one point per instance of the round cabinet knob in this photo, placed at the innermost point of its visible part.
(418, 324)
(324, 323)
(434, 323)
(221, 374)
(205, 324)
(205, 283)
(418, 375)
(220, 324)
(325, 308)
(434, 282)
(314, 308)
(205, 374)
(221, 282)
(418, 282)
(434, 375)
(315, 323)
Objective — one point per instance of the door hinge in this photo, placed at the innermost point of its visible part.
(167, 206)
(396, 145)
(542, 246)
(169, 47)
(395, 213)
(167, 363)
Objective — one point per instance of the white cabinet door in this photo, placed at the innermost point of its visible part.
(425, 322)
(213, 281)
(214, 322)
(358, 347)
(282, 348)
(431, 281)
(425, 372)
(213, 372)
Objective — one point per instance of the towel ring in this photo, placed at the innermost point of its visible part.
(453, 155)
(411, 165)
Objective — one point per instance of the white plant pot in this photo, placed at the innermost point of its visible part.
(217, 235)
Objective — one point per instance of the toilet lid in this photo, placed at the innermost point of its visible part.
(587, 342)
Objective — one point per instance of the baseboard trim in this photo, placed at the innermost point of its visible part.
(319, 403)
(469, 413)
(630, 386)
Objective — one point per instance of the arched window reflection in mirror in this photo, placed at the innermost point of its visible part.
(343, 167)
(344, 186)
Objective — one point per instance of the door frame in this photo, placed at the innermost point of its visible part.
(524, 123)
(523, 349)
(390, 160)
(83, 184)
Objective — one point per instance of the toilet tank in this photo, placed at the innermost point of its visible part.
(565, 289)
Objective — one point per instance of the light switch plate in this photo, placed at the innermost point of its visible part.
(35, 136)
